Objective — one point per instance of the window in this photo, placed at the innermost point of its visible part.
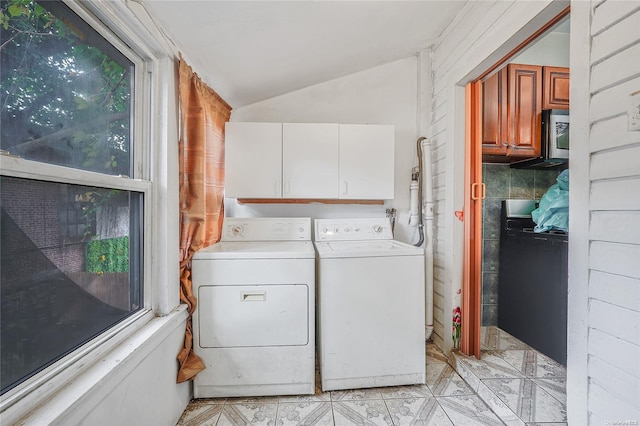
(71, 213)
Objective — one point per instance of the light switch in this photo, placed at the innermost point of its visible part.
(633, 113)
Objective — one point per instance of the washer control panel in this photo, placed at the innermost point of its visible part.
(353, 229)
(266, 229)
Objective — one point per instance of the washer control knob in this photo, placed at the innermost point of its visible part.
(237, 229)
(346, 229)
(377, 229)
(335, 230)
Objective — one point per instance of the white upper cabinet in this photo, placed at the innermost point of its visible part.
(253, 160)
(366, 161)
(309, 160)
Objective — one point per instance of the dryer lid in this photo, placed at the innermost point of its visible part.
(257, 250)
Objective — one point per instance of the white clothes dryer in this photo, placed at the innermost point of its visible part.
(254, 326)
(370, 306)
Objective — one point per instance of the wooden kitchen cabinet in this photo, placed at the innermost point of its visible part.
(494, 113)
(525, 110)
(556, 88)
(510, 112)
(309, 161)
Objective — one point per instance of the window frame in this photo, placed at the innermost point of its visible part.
(120, 27)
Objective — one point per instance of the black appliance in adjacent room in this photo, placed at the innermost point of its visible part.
(532, 285)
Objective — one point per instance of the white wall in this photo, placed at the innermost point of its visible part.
(550, 50)
(603, 375)
(387, 94)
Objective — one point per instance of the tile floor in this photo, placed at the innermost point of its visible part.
(512, 384)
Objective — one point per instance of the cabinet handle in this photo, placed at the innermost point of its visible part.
(474, 191)
(505, 143)
(345, 190)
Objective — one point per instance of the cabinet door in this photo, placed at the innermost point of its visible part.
(253, 160)
(494, 113)
(525, 109)
(366, 162)
(310, 160)
(556, 88)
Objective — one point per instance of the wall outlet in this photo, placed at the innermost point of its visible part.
(633, 113)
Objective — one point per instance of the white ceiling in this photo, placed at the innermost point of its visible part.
(253, 50)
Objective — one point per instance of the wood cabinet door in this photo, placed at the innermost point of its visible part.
(525, 109)
(556, 88)
(493, 113)
(253, 160)
(310, 160)
(366, 162)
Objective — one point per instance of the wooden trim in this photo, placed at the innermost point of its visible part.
(528, 41)
(472, 258)
(306, 201)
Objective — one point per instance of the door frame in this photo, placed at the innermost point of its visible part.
(474, 192)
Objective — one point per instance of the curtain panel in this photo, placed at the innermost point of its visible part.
(203, 114)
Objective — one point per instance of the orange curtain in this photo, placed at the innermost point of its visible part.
(201, 156)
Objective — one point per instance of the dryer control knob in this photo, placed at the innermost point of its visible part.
(377, 229)
(237, 229)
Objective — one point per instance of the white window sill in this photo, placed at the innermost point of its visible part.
(105, 373)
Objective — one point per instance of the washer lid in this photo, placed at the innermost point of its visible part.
(379, 248)
(257, 250)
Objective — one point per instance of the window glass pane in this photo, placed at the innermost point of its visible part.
(70, 269)
(66, 92)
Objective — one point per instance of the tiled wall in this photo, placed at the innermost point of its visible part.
(503, 182)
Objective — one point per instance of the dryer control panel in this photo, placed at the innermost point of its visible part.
(353, 229)
(266, 229)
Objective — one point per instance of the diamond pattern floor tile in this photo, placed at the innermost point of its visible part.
(512, 384)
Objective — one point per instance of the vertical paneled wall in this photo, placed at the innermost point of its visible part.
(613, 270)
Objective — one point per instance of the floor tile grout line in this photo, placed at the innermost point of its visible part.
(548, 393)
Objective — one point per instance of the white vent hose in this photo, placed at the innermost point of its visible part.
(427, 217)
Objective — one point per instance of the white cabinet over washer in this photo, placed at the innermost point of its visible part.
(253, 160)
(309, 160)
(366, 161)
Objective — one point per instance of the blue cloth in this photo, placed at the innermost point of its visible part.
(553, 210)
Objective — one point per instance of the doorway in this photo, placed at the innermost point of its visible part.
(489, 180)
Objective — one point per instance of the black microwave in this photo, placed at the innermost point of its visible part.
(555, 133)
(554, 142)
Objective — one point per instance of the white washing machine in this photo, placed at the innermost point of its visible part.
(254, 326)
(370, 306)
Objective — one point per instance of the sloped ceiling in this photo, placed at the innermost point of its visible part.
(254, 50)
